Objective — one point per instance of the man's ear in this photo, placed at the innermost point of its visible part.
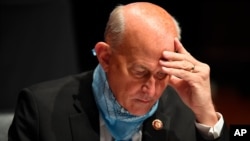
(103, 53)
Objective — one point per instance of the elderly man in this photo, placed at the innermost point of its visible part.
(146, 87)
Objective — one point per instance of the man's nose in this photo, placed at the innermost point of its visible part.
(149, 86)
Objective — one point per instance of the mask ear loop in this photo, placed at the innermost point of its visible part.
(93, 52)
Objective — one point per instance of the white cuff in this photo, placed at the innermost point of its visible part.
(209, 132)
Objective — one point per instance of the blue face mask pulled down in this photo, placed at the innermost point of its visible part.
(121, 124)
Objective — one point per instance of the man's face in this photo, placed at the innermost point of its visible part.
(135, 76)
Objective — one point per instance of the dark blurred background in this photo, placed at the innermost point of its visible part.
(47, 39)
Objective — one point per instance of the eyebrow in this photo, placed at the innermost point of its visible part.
(139, 66)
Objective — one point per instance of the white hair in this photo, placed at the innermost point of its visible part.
(115, 26)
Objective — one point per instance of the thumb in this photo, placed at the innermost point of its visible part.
(178, 84)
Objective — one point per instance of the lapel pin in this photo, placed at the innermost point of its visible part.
(157, 124)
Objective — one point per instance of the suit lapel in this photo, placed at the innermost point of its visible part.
(150, 133)
(164, 115)
(85, 124)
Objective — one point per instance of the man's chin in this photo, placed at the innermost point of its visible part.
(141, 110)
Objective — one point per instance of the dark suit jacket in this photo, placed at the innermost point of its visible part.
(65, 110)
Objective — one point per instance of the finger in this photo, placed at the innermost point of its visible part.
(168, 55)
(185, 65)
(180, 73)
(179, 47)
(178, 60)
